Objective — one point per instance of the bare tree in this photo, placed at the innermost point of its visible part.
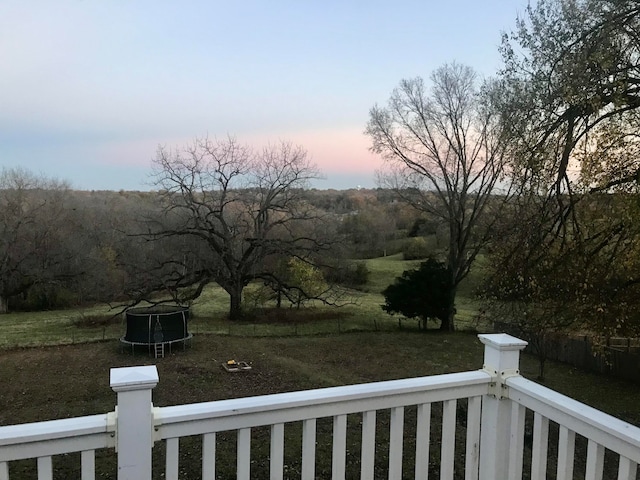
(446, 159)
(34, 229)
(227, 211)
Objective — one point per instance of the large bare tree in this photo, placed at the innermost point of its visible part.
(443, 147)
(229, 210)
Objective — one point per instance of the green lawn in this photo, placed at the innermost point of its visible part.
(65, 372)
(362, 313)
(384, 270)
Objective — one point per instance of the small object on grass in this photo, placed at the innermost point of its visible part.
(233, 366)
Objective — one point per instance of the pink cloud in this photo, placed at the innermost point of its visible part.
(334, 150)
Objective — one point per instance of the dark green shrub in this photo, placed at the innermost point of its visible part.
(423, 293)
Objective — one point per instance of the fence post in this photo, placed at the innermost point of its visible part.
(134, 423)
(501, 360)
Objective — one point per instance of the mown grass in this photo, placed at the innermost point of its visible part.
(59, 327)
(383, 270)
(322, 347)
(209, 315)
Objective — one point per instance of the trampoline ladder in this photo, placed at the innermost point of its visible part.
(159, 350)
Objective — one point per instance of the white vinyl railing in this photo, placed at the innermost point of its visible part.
(499, 405)
(600, 430)
(43, 440)
(274, 411)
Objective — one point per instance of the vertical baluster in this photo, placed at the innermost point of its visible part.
(4, 471)
(309, 449)
(209, 456)
(396, 435)
(338, 461)
(276, 464)
(516, 451)
(423, 433)
(368, 453)
(88, 464)
(627, 469)
(472, 454)
(540, 447)
(172, 458)
(243, 460)
(566, 453)
(448, 439)
(45, 468)
(595, 461)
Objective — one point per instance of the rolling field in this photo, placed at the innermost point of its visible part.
(362, 313)
(56, 365)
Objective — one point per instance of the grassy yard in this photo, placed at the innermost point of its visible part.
(63, 381)
(209, 312)
(56, 365)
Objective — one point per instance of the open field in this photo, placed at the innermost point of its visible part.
(64, 327)
(65, 370)
(63, 381)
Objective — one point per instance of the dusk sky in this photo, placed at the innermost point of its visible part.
(89, 88)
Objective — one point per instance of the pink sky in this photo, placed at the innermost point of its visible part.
(89, 89)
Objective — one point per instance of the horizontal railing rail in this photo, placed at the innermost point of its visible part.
(43, 440)
(244, 414)
(608, 431)
(207, 417)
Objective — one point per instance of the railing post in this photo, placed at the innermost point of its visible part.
(501, 360)
(134, 423)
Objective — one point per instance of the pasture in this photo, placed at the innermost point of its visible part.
(55, 365)
(361, 313)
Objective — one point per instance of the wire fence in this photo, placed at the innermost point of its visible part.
(68, 332)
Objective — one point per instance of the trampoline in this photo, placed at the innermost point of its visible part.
(157, 328)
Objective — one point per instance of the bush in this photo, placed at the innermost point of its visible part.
(416, 249)
(348, 274)
(352, 274)
(422, 293)
(358, 274)
(43, 297)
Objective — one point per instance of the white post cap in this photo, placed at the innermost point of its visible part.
(502, 341)
(134, 378)
(501, 352)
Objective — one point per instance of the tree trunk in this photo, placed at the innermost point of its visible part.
(235, 301)
(4, 305)
(449, 324)
(542, 360)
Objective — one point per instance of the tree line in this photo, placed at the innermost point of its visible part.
(218, 213)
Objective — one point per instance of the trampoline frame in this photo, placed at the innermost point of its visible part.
(154, 341)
